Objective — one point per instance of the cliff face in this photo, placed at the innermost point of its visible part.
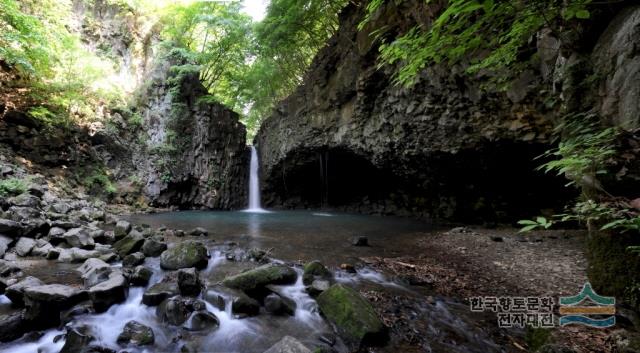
(442, 149)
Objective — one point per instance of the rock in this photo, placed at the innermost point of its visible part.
(497, 239)
(201, 320)
(199, 231)
(153, 248)
(262, 276)
(189, 282)
(10, 228)
(56, 232)
(25, 200)
(184, 255)
(84, 308)
(318, 286)
(12, 326)
(136, 334)
(77, 340)
(288, 344)
(243, 305)
(315, 270)
(129, 244)
(74, 255)
(140, 276)
(360, 241)
(103, 237)
(41, 248)
(158, 292)
(111, 291)
(79, 238)
(45, 302)
(348, 268)
(216, 299)
(177, 310)
(277, 305)
(94, 271)
(5, 242)
(24, 246)
(61, 207)
(353, 316)
(53, 254)
(135, 259)
(7, 268)
(15, 292)
(122, 229)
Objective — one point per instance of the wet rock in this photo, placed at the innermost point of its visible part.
(12, 326)
(189, 282)
(111, 291)
(315, 270)
(122, 229)
(94, 271)
(53, 254)
(7, 268)
(15, 292)
(277, 305)
(288, 344)
(24, 246)
(216, 299)
(257, 255)
(103, 237)
(129, 244)
(83, 308)
(318, 286)
(44, 303)
(79, 238)
(360, 241)
(25, 200)
(184, 255)
(140, 276)
(177, 310)
(348, 268)
(354, 317)
(5, 242)
(77, 340)
(262, 276)
(10, 228)
(242, 305)
(74, 255)
(153, 248)
(137, 334)
(198, 231)
(41, 248)
(135, 259)
(201, 320)
(158, 292)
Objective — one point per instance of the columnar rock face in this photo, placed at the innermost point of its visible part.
(448, 147)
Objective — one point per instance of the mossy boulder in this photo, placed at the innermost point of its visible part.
(315, 270)
(262, 276)
(184, 255)
(129, 244)
(137, 334)
(354, 317)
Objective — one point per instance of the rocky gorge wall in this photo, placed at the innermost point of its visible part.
(445, 148)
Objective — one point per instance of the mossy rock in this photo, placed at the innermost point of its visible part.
(262, 276)
(129, 244)
(184, 255)
(315, 270)
(354, 317)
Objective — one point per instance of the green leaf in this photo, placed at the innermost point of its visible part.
(583, 14)
(528, 228)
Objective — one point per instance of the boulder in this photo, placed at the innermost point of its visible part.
(258, 278)
(25, 200)
(12, 326)
(315, 270)
(74, 255)
(132, 260)
(15, 292)
(153, 248)
(5, 242)
(102, 236)
(288, 344)
(60, 207)
(77, 340)
(94, 271)
(129, 244)
(41, 248)
(177, 310)
(277, 305)
(242, 305)
(8, 268)
(201, 320)
(10, 228)
(140, 276)
(45, 302)
(318, 286)
(111, 291)
(189, 282)
(122, 229)
(199, 231)
(353, 316)
(137, 334)
(158, 292)
(24, 246)
(79, 238)
(184, 255)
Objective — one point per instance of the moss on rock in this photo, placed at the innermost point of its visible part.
(315, 270)
(262, 276)
(184, 255)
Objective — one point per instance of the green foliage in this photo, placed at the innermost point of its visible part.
(538, 223)
(535, 337)
(12, 187)
(466, 29)
(99, 181)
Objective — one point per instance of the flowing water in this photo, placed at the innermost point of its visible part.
(254, 184)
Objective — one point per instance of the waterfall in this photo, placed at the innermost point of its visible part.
(254, 183)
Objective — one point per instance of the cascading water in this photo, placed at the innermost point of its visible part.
(254, 184)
